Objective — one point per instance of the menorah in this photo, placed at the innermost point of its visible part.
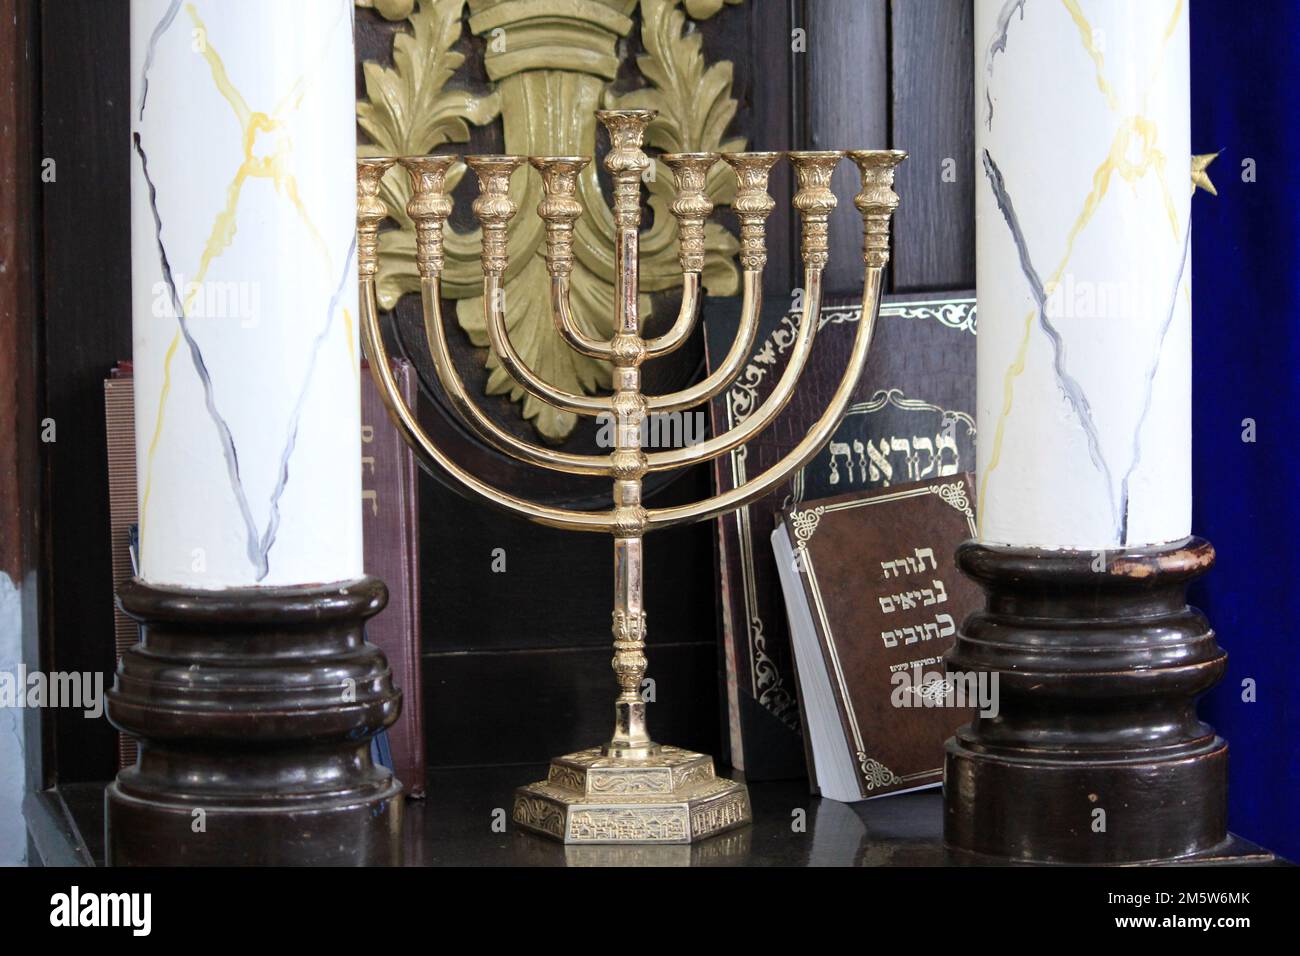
(631, 789)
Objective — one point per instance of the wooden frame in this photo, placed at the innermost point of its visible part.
(21, 544)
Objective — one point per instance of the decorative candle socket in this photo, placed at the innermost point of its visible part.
(631, 789)
(1084, 405)
(252, 693)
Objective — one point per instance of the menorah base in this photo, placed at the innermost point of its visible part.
(673, 797)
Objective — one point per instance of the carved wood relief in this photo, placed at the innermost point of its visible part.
(549, 66)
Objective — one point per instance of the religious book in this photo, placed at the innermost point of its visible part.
(390, 525)
(874, 598)
(911, 418)
(390, 519)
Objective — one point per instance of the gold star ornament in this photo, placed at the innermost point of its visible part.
(1199, 176)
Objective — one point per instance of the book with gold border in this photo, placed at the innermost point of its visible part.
(919, 383)
(874, 597)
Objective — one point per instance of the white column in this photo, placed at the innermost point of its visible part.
(1083, 272)
(244, 292)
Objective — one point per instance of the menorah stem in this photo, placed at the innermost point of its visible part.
(631, 738)
(625, 163)
(628, 463)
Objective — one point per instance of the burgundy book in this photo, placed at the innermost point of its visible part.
(390, 519)
(912, 417)
(874, 597)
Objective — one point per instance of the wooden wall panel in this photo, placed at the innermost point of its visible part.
(87, 254)
(557, 587)
(931, 108)
(847, 107)
(774, 121)
(493, 707)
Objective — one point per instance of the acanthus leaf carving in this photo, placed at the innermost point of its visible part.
(409, 111)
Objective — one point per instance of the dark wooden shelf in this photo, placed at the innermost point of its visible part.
(464, 821)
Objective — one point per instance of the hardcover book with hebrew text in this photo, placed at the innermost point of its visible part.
(874, 599)
(911, 417)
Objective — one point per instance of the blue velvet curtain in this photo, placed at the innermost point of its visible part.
(1246, 366)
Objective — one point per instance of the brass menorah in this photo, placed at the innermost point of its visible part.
(631, 789)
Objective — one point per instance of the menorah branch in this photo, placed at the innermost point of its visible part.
(567, 325)
(469, 411)
(494, 210)
(370, 213)
(429, 208)
(751, 307)
(560, 209)
(494, 315)
(807, 448)
(771, 406)
(752, 206)
(687, 317)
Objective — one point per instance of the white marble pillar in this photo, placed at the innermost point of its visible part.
(1083, 272)
(244, 292)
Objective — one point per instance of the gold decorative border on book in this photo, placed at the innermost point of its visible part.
(876, 774)
(804, 523)
(954, 495)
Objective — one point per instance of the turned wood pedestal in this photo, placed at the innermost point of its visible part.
(254, 709)
(1096, 754)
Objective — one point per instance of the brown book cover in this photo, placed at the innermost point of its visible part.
(911, 417)
(874, 599)
(390, 519)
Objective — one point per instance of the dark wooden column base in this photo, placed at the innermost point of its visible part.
(255, 709)
(1096, 754)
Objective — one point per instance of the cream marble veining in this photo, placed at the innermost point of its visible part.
(244, 292)
(1083, 272)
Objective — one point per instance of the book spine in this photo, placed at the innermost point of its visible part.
(390, 527)
(119, 420)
